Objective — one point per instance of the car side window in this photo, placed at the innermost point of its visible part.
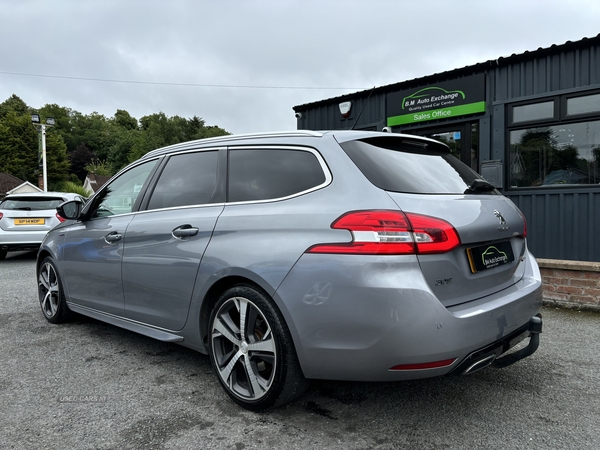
(264, 174)
(187, 179)
(120, 195)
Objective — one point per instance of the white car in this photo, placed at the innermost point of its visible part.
(26, 218)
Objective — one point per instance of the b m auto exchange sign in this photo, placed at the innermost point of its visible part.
(459, 97)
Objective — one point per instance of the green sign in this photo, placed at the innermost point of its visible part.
(444, 100)
(444, 113)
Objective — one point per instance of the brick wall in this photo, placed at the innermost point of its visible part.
(571, 284)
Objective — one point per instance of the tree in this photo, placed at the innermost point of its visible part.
(121, 148)
(81, 157)
(14, 104)
(77, 139)
(19, 150)
(124, 120)
(19, 147)
(99, 168)
(62, 118)
(57, 161)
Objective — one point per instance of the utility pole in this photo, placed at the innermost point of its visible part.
(41, 127)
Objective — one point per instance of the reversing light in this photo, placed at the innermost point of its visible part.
(424, 366)
(383, 232)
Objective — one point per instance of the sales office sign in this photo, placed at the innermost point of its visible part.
(459, 97)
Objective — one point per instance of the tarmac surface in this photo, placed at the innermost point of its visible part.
(88, 385)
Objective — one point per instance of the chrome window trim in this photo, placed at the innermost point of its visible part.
(171, 208)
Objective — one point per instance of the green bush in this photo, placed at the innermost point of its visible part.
(75, 188)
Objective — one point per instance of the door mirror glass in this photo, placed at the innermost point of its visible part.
(70, 210)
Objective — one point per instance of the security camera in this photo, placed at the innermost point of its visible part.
(387, 129)
(298, 115)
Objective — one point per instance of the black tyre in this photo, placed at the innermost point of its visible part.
(3, 254)
(252, 352)
(52, 298)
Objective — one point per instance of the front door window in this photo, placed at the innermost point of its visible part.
(120, 195)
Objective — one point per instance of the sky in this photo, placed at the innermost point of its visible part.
(243, 65)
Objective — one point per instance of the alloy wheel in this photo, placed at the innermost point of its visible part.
(49, 289)
(244, 349)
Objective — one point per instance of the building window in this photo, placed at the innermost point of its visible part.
(533, 112)
(563, 154)
(583, 105)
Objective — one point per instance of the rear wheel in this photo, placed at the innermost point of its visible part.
(252, 352)
(3, 254)
(51, 296)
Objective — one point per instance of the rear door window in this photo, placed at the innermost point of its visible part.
(395, 166)
(264, 174)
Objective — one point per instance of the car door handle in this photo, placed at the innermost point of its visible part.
(185, 231)
(113, 237)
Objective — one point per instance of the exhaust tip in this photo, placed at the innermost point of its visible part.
(481, 364)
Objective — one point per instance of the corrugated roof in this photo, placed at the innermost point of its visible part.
(462, 71)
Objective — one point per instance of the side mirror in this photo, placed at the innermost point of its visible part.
(70, 210)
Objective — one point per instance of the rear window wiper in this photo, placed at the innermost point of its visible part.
(479, 185)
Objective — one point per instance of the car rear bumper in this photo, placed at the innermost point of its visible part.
(23, 240)
(20, 246)
(358, 321)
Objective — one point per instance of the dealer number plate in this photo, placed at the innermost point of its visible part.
(489, 256)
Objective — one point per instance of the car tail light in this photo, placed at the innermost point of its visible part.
(524, 235)
(1, 216)
(391, 233)
(60, 218)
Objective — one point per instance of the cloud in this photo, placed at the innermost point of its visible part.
(340, 46)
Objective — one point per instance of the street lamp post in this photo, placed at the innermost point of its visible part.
(41, 127)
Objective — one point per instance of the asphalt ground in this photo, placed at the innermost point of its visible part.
(88, 385)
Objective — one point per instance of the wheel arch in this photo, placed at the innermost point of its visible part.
(220, 286)
(42, 254)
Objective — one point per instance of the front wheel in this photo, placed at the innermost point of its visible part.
(252, 352)
(51, 296)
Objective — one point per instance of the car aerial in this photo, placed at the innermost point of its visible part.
(340, 255)
(26, 218)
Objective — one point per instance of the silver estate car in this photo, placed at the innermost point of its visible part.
(342, 255)
(26, 218)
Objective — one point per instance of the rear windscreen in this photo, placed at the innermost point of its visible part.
(31, 203)
(392, 166)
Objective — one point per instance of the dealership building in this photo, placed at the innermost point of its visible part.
(529, 123)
